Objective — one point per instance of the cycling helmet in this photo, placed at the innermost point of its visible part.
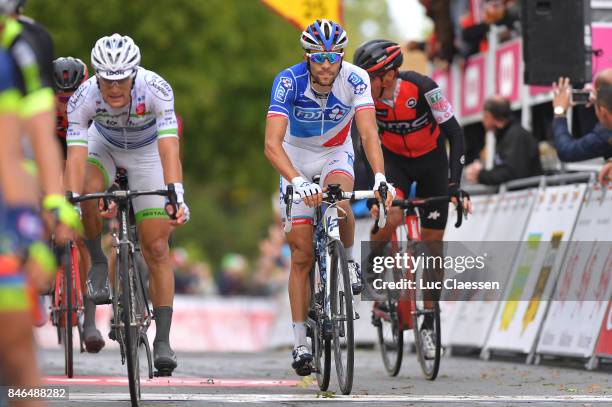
(324, 35)
(9, 6)
(378, 56)
(68, 73)
(115, 57)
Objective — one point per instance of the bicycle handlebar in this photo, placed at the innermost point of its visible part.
(118, 195)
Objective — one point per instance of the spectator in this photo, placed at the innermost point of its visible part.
(474, 34)
(516, 150)
(597, 143)
(233, 276)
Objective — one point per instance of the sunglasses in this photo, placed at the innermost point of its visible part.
(320, 57)
(109, 83)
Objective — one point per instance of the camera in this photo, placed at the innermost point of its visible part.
(581, 97)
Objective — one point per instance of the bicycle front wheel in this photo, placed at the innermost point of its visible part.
(342, 316)
(321, 346)
(69, 309)
(430, 364)
(131, 334)
(390, 335)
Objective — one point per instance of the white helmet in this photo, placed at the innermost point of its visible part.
(115, 57)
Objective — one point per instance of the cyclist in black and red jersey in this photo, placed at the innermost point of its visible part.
(414, 121)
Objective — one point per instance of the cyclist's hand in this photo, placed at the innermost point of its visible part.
(182, 216)
(309, 191)
(110, 211)
(175, 206)
(379, 180)
(64, 212)
(456, 193)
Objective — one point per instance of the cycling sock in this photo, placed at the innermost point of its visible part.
(94, 247)
(428, 322)
(89, 320)
(349, 253)
(163, 320)
(299, 334)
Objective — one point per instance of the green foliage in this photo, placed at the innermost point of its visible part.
(220, 56)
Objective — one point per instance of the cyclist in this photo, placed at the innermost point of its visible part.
(414, 120)
(68, 74)
(134, 127)
(308, 124)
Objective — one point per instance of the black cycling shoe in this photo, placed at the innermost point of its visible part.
(302, 359)
(164, 358)
(98, 288)
(93, 339)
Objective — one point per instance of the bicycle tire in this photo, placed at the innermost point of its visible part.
(321, 347)
(342, 316)
(391, 350)
(68, 305)
(430, 367)
(131, 333)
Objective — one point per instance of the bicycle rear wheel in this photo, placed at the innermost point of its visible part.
(321, 347)
(429, 366)
(342, 316)
(68, 309)
(131, 329)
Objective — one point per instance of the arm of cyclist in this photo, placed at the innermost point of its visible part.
(168, 144)
(276, 126)
(368, 131)
(444, 115)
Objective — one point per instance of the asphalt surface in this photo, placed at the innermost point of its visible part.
(223, 379)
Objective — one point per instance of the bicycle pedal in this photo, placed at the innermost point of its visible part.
(162, 373)
(356, 315)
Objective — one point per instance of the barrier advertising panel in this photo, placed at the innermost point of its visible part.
(473, 86)
(508, 67)
(604, 343)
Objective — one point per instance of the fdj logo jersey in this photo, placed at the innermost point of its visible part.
(315, 114)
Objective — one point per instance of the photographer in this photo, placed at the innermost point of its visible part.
(597, 143)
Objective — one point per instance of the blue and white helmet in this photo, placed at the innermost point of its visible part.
(8, 6)
(324, 35)
(115, 57)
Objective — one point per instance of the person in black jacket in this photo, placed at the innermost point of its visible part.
(516, 150)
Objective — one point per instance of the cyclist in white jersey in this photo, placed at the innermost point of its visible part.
(134, 127)
(308, 127)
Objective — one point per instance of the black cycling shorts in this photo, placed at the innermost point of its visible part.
(430, 172)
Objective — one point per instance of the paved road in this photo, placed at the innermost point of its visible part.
(224, 379)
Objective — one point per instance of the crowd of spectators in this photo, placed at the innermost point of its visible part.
(461, 27)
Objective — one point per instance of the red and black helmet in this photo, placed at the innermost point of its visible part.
(378, 56)
(68, 74)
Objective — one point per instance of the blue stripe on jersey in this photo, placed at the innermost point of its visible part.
(8, 75)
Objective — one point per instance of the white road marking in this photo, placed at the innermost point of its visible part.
(267, 398)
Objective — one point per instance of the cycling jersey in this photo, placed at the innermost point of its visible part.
(317, 124)
(148, 117)
(410, 125)
(9, 95)
(32, 51)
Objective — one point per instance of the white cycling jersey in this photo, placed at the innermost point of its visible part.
(149, 116)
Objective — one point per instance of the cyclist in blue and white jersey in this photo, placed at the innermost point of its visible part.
(312, 107)
(134, 127)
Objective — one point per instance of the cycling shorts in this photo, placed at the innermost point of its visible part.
(310, 164)
(430, 172)
(144, 168)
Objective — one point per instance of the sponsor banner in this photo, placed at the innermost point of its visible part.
(198, 325)
(584, 287)
(473, 86)
(602, 40)
(517, 322)
(302, 13)
(472, 320)
(508, 67)
(604, 344)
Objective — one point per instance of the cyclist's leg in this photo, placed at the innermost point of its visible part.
(145, 172)
(18, 365)
(302, 258)
(100, 165)
(432, 181)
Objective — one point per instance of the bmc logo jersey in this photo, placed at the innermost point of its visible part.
(149, 116)
(318, 124)
(408, 124)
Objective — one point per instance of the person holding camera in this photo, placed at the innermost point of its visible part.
(598, 142)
